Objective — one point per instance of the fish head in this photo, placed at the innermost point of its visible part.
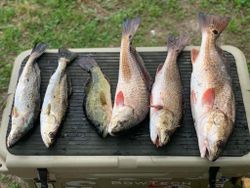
(48, 138)
(21, 123)
(162, 126)
(216, 131)
(14, 136)
(49, 127)
(121, 120)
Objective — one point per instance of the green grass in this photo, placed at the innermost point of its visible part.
(9, 182)
(87, 23)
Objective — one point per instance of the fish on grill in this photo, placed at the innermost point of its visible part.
(131, 103)
(212, 97)
(27, 97)
(166, 95)
(56, 98)
(97, 100)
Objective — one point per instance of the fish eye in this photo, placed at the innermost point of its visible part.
(215, 32)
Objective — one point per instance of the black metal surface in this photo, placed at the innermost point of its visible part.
(78, 137)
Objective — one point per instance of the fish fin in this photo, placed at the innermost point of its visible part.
(15, 112)
(38, 50)
(68, 55)
(48, 109)
(214, 23)
(157, 141)
(159, 67)
(177, 43)
(193, 97)
(119, 100)
(208, 97)
(69, 86)
(130, 27)
(221, 52)
(157, 107)
(194, 54)
(87, 63)
(107, 78)
(151, 99)
(204, 149)
(142, 68)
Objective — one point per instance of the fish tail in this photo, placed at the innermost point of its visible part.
(87, 63)
(38, 50)
(177, 43)
(130, 27)
(66, 54)
(212, 22)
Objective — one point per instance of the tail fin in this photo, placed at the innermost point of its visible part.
(130, 27)
(38, 50)
(177, 44)
(215, 23)
(68, 55)
(87, 63)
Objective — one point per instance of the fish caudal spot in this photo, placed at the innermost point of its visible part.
(215, 32)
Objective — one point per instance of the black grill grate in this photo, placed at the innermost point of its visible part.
(78, 137)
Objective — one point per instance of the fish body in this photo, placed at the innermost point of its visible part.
(27, 97)
(55, 101)
(166, 95)
(97, 102)
(131, 103)
(212, 97)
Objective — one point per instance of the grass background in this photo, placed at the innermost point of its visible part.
(97, 23)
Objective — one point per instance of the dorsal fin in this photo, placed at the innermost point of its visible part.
(142, 68)
(194, 54)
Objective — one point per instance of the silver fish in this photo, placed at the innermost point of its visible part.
(55, 102)
(27, 97)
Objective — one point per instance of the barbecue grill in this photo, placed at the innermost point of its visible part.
(80, 158)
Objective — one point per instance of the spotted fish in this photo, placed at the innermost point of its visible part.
(212, 97)
(27, 97)
(131, 103)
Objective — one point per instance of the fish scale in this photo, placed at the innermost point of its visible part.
(212, 97)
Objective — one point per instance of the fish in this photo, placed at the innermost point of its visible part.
(26, 106)
(166, 103)
(131, 103)
(212, 98)
(56, 98)
(97, 100)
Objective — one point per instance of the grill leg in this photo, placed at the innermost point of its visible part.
(43, 177)
(212, 176)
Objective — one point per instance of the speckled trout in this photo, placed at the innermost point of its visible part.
(212, 97)
(27, 97)
(56, 98)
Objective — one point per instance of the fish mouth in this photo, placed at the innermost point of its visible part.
(48, 139)
(211, 155)
(159, 141)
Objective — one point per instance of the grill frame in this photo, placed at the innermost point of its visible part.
(115, 161)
